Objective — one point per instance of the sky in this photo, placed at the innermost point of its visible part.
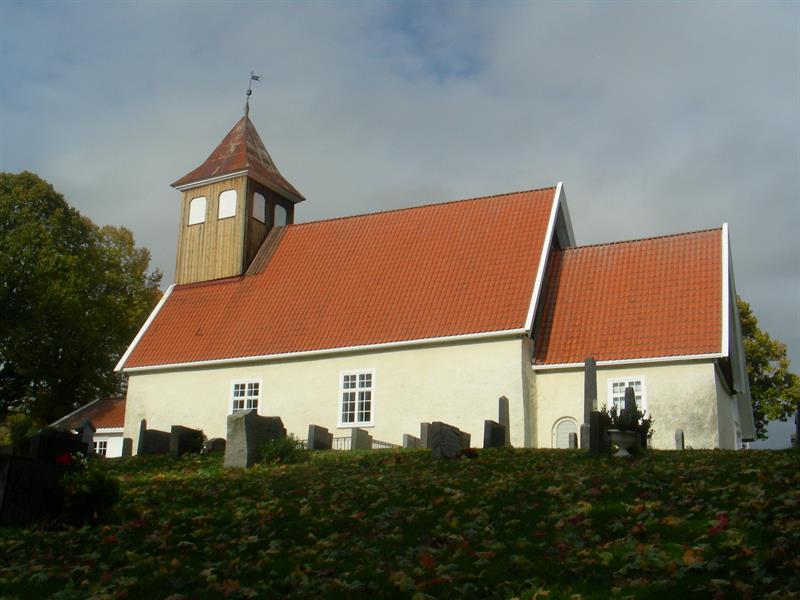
(658, 117)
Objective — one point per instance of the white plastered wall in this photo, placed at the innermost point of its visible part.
(458, 383)
(679, 395)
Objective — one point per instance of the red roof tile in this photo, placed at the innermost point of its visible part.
(645, 298)
(426, 272)
(242, 150)
(105, 413)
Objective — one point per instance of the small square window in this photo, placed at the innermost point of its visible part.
(245, 395)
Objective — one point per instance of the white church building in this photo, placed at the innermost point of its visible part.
(385, 320)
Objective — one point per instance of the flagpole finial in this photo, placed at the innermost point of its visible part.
(253, 77)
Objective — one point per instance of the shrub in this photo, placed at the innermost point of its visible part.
(284, 450)
(88, 493)
(629, 420)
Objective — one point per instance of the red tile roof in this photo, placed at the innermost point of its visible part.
(242, 150)
(645, 298)
(105, 413)
(426, 272)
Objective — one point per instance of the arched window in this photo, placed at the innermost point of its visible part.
(197, 210)
(561, 430)
(227, 204)
(259, 208)
(280, 215)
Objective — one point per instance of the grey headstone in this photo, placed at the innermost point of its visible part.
(86, 432)
(142, 435)
(446, 440)
(630, 399)
(598, 442)
(589, 387)
(319, 438)
(424, 437)
(573, 440)
(247, 433)
(127, 447)
(360, 440)
(494, 434)
(679, 439)
(503, 416)
(585, 435)
(213, 446)
(411, 441)
(183, 440)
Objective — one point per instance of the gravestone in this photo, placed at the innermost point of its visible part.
(573, 440)
(503, 417)
(630, 399)
(446, 440)
(585, 435)
(86, 433)
(494, 434)
(183, 440)
(360, 440)
(679, 439)
(29, 490)
(127, 447)
(152, 441)
(213, 446)
(598, 437)
(424, 438)
(247, 433)
(589, 387)
(50, 443)
(411, 441)
(319, 438)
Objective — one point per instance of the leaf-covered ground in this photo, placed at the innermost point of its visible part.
(509, 523)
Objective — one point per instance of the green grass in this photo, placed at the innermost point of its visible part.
(509, 523)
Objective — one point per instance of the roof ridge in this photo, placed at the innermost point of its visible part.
(421, 206)
(644, 239)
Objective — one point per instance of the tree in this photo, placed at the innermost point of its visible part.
(73, 296)
(775, 390)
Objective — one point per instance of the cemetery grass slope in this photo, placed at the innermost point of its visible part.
(508, 523)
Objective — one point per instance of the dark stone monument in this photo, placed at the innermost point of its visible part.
(29, 490)
(319, 438)
(598, 437)
(183, 440)
(127, 447)
(411, 441)
(50, 443)
(589, 387)
(152, 441)
(585, 435)
(424, 438)
(247, 433)
(446, 440)
(213, 446)
(573, 441)
(86, 433)
(494, 434)
(503, 417)
(679, 439)
(630, 399)
(360, 440)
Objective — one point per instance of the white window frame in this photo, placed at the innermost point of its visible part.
(196, 214)
(100, 447)
(259, 208)
(358, 373)
(631, 379)
(247, 397)
(227, 201)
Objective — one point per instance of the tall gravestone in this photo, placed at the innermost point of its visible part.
(494, 434)
(247, 433)
(319, 438)
(127, 447)
(86, 431)
(503, 417)
(589, 399)
(679, 439)
(424, 438)
(597, 435)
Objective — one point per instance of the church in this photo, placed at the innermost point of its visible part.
(385, 320)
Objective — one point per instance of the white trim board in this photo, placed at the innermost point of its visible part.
(548, 240)
(629, 361)
(345, 349)
(144, 328)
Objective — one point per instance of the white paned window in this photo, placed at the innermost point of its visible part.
(280, 215)
(356, 401)
(245, 395)
(616, 392)
(259, 208)
(101, 447)
(197, 210)
(227, 204)
(561, 431)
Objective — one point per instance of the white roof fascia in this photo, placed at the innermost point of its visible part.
(193, 184)
(325, 351)
(74, 412)
(629, 361)
(144, 328)
(108, 430)
(726, 291)
(548, 240)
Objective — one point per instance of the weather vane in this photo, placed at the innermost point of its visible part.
(253, 77)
